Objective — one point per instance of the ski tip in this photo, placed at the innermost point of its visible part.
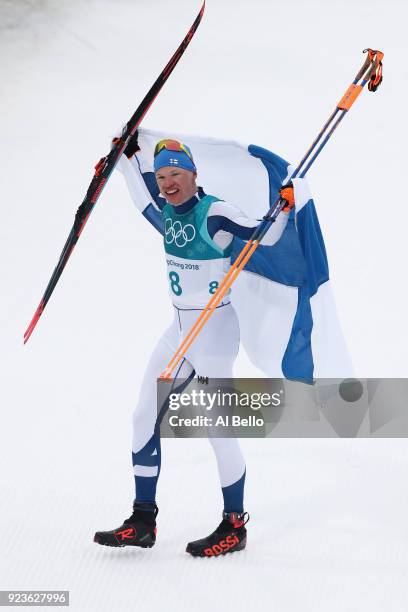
(33, 322)
(28, 333)
(202, 10)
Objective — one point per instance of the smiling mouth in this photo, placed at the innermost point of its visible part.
(172, 192)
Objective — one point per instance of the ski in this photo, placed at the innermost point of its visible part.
(104, 169)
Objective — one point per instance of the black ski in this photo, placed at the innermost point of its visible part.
(104, 169)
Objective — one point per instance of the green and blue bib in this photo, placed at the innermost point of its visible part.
(195, 263)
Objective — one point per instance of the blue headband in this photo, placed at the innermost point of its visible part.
(177, 159)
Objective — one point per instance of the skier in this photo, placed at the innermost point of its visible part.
(198, 230)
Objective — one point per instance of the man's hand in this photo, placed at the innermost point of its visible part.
(132, 146)
(286, 192)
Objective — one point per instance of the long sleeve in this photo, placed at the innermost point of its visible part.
(226, 221)
(140, 194)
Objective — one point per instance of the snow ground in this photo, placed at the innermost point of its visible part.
(328, 529)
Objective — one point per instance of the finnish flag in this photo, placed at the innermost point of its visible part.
(288, 321)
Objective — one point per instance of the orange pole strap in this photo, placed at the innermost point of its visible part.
(371, 66)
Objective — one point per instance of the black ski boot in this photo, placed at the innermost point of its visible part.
(138, 530)
(229, 537)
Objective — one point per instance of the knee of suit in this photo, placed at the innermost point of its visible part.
(144, 424)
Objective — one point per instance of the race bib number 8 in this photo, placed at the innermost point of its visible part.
(175, 283)
(177, 289)
(213, 286)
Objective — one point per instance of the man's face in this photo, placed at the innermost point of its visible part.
(177, 185)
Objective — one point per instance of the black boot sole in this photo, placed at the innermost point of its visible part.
(200, 552)
(99, 539)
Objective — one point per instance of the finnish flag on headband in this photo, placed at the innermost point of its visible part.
(287, 315)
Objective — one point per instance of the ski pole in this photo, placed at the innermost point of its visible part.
(104, 169)
(370, 72)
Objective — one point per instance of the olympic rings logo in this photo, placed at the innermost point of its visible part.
(179, 234)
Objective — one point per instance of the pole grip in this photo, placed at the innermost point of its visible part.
(350, 97)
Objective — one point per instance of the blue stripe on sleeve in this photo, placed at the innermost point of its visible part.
(218, 222)
(155, 217)
(151, 184)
